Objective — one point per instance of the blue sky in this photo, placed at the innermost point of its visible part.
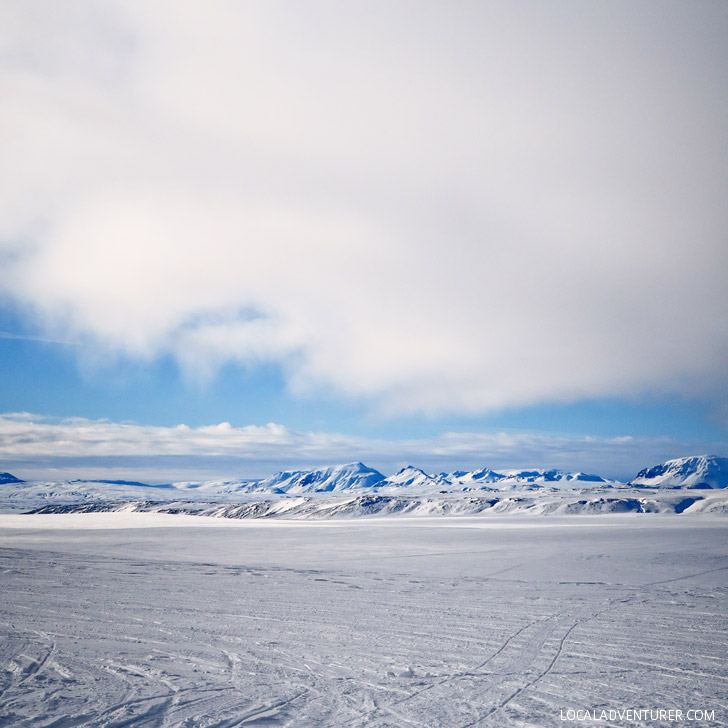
(384, 228)
(48, 378)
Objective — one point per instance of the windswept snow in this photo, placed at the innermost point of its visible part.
(434, 623)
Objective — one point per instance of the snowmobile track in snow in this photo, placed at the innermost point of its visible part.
(302, 627)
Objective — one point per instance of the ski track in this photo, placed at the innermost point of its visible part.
(97, 633)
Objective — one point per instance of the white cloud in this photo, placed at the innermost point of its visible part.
(33, 446)
(432, 209)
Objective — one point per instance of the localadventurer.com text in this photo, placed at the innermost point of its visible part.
(635, 715)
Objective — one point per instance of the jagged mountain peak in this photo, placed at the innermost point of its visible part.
(408, 476)
(410, 469)
(481, 475)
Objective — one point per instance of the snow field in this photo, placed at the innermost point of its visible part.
(450, 623)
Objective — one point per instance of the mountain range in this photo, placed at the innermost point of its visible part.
(702, 471)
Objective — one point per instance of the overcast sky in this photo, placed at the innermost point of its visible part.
(404, 209)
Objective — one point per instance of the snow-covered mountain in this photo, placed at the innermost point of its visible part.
(701, 471)
(353, 476)
(410, 477)
(8, 478)
(21, 495)
(529, 479)
(355, 479)
(487, 479)
(473, 478)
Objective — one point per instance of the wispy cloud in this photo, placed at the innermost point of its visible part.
(29, 337)
(49, 447)
(430, 208)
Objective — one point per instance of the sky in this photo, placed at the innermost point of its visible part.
(237, 237)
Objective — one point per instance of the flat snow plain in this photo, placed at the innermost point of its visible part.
(139, 619)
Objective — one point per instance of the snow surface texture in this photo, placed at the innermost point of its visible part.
(435, 623)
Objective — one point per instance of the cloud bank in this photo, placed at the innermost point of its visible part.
(424, 207)
(32, 446)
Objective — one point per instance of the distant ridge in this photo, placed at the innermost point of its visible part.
(119, 482)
